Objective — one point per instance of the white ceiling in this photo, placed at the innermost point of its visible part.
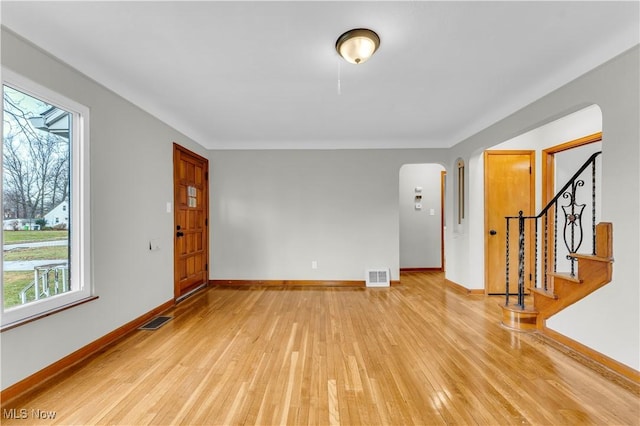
(244, 75)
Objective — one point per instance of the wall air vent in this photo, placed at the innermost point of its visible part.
(378, 277)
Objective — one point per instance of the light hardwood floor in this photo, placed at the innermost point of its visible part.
(418, 353)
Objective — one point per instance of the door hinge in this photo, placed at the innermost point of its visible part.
(530, 277)
(206, 266)
(206, 222)
(206, 175)
(529, 169)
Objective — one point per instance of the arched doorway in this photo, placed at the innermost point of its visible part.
(421, 207)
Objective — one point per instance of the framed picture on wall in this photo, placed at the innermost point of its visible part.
(460, 166)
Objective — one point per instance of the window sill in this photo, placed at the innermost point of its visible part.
(46, 313)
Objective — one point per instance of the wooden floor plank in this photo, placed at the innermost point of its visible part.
(418, 353)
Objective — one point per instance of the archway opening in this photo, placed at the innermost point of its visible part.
(421, 207)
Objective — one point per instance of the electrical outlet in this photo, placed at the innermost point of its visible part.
(314, 264)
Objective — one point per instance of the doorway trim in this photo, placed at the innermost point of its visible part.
(548, 163)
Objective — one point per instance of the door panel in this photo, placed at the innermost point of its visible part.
(191, 236)
(509, 188)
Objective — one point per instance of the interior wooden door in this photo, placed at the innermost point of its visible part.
(508, 188)
(191, 219)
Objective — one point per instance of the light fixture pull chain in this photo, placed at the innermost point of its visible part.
(339, 75)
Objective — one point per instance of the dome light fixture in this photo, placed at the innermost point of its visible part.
(357, 45)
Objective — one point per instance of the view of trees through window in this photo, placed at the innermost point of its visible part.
(36, 198)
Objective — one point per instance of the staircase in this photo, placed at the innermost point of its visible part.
(551, 291)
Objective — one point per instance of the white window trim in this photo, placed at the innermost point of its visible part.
(80, 262)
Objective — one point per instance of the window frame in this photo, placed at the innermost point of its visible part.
(80, 229)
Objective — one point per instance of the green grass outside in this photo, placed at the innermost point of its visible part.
(37, 253)
(14, 282)
(16, 237)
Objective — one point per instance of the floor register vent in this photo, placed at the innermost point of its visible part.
(155, 323)
(378, 277)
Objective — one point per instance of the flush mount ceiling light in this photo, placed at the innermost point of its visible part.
(357, 45)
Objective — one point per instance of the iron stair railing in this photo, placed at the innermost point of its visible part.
(573, 233)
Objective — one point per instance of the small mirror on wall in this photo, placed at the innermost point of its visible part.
(460, 195)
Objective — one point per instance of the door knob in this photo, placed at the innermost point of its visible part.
(179, 234)
(493, 232)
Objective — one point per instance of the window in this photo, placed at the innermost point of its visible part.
(45, 158)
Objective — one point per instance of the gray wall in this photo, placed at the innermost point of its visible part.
(420, 230)
(131, 182)
(274, 212)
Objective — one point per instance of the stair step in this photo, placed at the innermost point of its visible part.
(564, 290)
(516, 318)
(516, 308)
(592, 257)
(566, 276)
(545, 293)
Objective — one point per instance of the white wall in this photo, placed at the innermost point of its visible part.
(274, 212)
(608, 320)
(131, 182)
(420, 230)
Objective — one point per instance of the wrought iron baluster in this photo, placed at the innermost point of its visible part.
(506, 283)
(546, 249)
(571, 259)
(555, 237)
(520, 260)
(573, 223)
(535, 263)
(593, 207)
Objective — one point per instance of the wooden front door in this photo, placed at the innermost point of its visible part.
(508, 188)
(191, 219)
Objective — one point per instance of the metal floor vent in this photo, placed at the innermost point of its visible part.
(155, 323)
(378, 278)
